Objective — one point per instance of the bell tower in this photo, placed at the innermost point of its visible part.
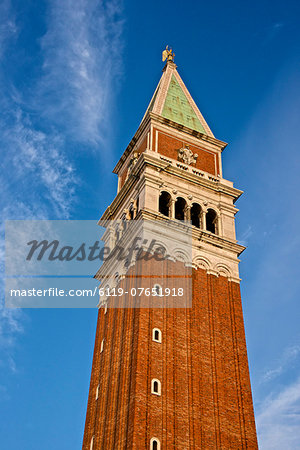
(173, 377)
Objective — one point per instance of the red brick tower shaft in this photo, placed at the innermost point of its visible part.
(175, 377)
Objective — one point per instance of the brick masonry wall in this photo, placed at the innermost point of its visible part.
(206, 400)
(169, 146)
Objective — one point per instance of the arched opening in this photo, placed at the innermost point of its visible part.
(156, 335)
(180, 207)
(131, 212)
(155, 387)
(195, 215)
(211, 221)
(154, 444)
(164, 203)
(117, 232)
(102, 346)
(123, 223)
(157, 290)
(137, 204)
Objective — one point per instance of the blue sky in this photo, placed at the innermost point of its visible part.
(75, 79)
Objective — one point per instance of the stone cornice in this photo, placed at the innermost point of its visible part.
(189, 131)
(209, 181)
(150, 160)
(197, 234)
(218, 255)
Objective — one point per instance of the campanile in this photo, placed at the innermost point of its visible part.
(173, 378)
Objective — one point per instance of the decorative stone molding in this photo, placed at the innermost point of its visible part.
(202, 263)
(223, 270)
(182, 256)
(132, 163)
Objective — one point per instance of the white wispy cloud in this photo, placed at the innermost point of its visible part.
(11, 327)
(67, 103)
(40, 167)
(284, 363)
(246, 235)
(8, 27)
(278, 419)
(82, 62)
(272, 31)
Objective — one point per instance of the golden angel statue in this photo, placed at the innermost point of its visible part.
(168, 54)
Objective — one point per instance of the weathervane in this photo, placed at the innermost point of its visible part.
(168, 54)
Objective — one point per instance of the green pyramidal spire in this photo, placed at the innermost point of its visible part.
(178, 109)
(173, 101)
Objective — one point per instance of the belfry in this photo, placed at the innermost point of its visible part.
(172, 375)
